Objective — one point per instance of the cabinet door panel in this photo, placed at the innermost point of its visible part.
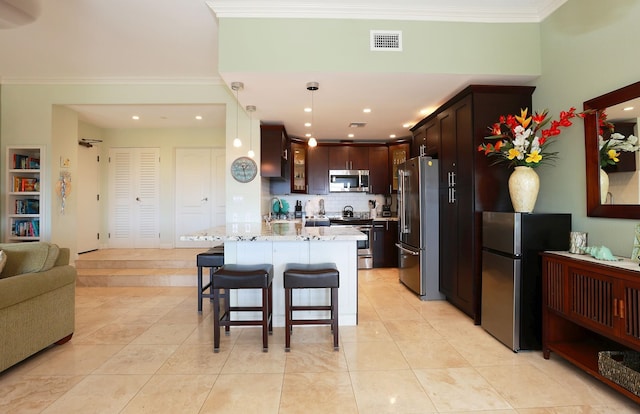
(591, 297)
(631, 311)
(379, 170)
(318, 170)
(339, 157)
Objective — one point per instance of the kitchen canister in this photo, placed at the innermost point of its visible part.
(577, 241)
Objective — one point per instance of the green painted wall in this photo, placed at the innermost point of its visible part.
(306, 45)
(588, 49)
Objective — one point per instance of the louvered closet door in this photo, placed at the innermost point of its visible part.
(134, 198)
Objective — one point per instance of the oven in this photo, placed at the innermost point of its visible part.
(365, 250)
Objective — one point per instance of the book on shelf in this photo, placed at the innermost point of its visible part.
(25, 162)
(26, 228)
(21, 184)
(28, 206)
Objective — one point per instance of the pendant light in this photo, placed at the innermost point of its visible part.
(251, 109)
(237, 86)
(312, 86)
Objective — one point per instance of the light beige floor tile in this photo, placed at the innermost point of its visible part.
(525, 386)
(195, 359)
(246, 359)
(72, 359)
(460, 389)
(390, 392)
(374, 356)
(310, 357)
(34, 393)
(373, 331)
(411, 330)
(431, 353)
(165, 334)
(99, 394)
(184, 394)
(137, 359)
(245, 394)
(322, 392)
(113, 333)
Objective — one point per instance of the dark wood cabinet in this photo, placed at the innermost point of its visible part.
(469, 185)
(318, 170)
(379, 170)
(348, 157)
(398, 153)
(299, 167)
(385, 237)
(588, 307)
(274, 151)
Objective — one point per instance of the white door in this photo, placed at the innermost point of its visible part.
(88, 196)
(200, 198)
(134, 197)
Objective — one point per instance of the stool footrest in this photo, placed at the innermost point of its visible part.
(308, 308)
(311, 321)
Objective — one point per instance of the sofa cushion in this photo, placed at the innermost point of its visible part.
(20, 288)
(28, 257)
(3, 260)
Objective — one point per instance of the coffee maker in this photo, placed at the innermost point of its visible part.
(386, 207)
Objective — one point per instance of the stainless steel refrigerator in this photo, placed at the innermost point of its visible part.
(418, 226)
(511, 307)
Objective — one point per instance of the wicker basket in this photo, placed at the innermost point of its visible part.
(621, 367)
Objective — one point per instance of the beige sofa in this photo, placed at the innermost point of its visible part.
(37, 299)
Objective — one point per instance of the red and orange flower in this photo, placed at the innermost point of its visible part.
(522, 140)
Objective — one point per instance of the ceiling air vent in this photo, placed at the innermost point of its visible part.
(357, 125)
(386, 40)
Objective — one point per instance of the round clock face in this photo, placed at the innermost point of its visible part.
(244, 169)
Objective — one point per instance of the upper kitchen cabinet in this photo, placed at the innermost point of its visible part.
(398, 153)
(379, 170)
(348, 157)
(299, 167)
(318, 170)
(274, 150)
(469, 184)
(426, 138)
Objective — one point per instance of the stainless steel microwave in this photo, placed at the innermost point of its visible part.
(348, 181)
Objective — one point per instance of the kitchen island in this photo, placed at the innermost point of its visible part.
(282, 243)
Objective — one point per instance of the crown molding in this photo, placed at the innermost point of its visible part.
(482, 11)
(213, 80)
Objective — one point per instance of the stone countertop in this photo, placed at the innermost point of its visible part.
(622, 262)
(275, 232)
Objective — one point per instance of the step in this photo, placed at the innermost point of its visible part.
(105, 277)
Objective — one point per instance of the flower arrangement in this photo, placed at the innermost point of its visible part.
(610, 148)
(522, 140)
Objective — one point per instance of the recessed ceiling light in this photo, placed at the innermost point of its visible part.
(198, 117)
(307, 109)
(307, 124)
(628, 108)
(392, 136)
(135, 117)
(350, 135)
(366, 110)
(307, 135)
(407, 125)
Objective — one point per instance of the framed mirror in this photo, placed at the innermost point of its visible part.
(617, 193)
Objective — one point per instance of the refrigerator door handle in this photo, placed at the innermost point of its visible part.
(411, 252)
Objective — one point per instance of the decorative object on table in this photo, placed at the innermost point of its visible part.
(63, 188)
(244, 169)
(609, 150)
(635, 253)
(521, 142)
(600, 252)
(577, 241)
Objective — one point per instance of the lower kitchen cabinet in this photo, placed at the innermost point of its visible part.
(385, 237)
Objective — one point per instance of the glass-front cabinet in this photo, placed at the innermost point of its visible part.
(398, 153)
(298, 167)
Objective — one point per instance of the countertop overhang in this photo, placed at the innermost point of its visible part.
(290, 231)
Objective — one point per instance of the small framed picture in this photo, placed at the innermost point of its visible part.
(65, 162)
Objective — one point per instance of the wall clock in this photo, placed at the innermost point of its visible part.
(244, 169)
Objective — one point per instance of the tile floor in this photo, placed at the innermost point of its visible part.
(147, 350)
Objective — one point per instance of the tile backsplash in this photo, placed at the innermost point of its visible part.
(333, 203)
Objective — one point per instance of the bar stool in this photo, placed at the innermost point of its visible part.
(310, 276)
(213, 259)
(235, 276)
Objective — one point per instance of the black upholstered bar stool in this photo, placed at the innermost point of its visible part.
(311, 276)
(235, 276)
(213, 259)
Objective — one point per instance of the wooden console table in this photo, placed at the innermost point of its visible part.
(589, 305)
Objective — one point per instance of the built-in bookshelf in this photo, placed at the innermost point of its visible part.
(24, 201)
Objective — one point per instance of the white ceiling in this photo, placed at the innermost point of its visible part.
(158, 41)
